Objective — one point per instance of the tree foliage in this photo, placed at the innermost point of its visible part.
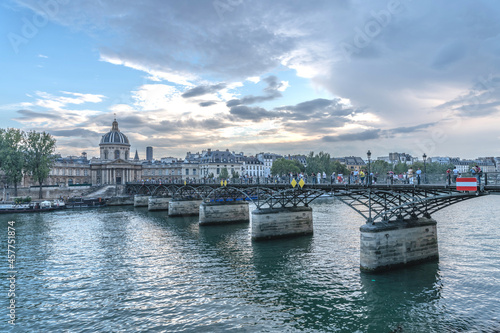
(12, 155)
(40, 148)
(322, 162)
(283, 167)
(224, 174)
(402, 168)
(380, 167)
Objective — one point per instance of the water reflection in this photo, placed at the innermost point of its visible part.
(128, 269)
(397, 294)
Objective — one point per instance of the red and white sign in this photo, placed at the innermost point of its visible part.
(467, 184)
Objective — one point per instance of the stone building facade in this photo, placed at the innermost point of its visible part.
(114, 165)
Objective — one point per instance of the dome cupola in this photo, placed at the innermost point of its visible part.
(115, 136)
(114, 144)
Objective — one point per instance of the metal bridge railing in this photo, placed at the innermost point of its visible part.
(488, 178)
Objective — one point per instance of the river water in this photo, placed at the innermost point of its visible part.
(122, 269)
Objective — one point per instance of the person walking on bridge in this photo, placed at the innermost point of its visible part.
(410, 175)
(455, 174)
(477, 172)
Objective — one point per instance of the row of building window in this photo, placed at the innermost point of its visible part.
(69, 172)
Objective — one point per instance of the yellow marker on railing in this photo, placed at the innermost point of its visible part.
(221, 183)
(225, 183)
(184, 183)
(301, 183)
(294, 183)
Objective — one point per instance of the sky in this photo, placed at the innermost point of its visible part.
(284, 76)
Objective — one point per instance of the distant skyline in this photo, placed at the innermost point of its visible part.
(255, 76)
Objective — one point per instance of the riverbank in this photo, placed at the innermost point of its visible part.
(51, 193)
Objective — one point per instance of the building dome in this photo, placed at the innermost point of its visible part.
(115, 136)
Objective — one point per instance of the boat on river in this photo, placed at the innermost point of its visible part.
(85, 203)
(32, 207)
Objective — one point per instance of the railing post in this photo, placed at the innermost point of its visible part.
(485, 178)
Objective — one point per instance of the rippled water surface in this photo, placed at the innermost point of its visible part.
(127, 269)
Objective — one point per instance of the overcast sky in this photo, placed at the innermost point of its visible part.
(256, 76)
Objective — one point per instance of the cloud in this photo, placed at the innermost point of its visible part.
(157, 72)
(177, 126)
(28, 114)
(255, 114)
(412, 62)
(58, 103)
(272, 92)
(75, 132)
(317, 108)
(482, 99)
(373, 134)
(154, 96)
(411, 129)
(449, 54)
(253, 99)
(202, 90)
(205, 104)
(272, 131)
(362, 136)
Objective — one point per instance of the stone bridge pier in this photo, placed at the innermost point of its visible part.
(180, 207)
(158, 203)
(385, 245)
(268, 223)
(141, 200)
(224, 212)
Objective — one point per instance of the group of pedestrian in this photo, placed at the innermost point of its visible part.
(361, 177)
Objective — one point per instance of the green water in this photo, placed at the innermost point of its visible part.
(130, 270)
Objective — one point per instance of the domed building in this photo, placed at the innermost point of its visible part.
(114, 144)
(114, 165)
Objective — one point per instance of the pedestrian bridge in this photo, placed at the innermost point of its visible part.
(399, 228)
(376, 203)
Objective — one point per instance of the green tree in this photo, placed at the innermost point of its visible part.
(224, 174)
(39, 157)
(380, 167)
(235, 174)
(283, 167)
(402, 167)
(12, 159)
(319, 163)
(338, 167)
(322, 162)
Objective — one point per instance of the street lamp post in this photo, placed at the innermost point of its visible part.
(425, 169)
(369, 154)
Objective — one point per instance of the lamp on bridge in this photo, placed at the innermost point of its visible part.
(369, 155)
(425, 170)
